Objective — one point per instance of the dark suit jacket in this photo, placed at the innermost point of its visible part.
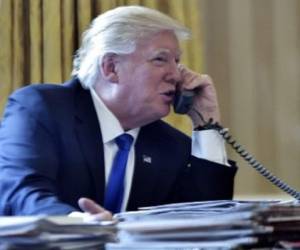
(51, 154)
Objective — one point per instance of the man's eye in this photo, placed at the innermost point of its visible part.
(160, 59)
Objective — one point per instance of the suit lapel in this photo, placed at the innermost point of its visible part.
(87, 126)
(146, 171)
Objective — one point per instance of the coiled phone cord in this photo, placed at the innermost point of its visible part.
(248, 157)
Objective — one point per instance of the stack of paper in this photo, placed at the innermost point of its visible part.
(59, 232)
(213, 225)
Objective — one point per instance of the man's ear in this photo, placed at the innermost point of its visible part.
(108, 67)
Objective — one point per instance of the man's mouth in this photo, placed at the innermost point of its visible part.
(169, 95)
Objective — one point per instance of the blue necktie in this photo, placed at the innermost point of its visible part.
(115, 187)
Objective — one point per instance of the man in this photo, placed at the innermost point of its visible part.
(58, 142)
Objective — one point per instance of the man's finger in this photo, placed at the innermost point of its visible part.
(89, 206)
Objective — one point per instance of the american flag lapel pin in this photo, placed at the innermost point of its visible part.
(147, 159)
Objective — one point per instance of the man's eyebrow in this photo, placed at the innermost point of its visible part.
(178, 53)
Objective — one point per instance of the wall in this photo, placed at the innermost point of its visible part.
(252, 52)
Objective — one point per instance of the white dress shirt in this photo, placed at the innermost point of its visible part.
(206, 144)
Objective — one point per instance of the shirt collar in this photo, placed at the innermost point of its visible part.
(109, 124)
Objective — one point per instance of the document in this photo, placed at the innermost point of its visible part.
(223, 224)
(60, 232)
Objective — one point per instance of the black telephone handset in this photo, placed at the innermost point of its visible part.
(183, 103)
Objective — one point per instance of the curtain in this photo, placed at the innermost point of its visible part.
(38, 39)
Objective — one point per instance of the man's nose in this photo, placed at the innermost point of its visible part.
(174, 75)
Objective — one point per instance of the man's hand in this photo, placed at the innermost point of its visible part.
(92, 211)
(205, 99)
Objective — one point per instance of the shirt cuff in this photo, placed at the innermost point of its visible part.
(77, 214)
(209, 145)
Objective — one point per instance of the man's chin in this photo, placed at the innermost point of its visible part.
(160, 113)
(165, 111)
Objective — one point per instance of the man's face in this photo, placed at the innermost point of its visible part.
(148, 77)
